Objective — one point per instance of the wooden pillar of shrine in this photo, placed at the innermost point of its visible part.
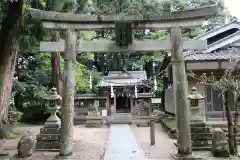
(131, 104)
(114, 103)
(150, 107)
(107, 102)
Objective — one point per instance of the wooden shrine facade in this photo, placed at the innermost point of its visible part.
(127, 92)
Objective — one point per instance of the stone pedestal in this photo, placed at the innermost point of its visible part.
(187, 157)
(49, 136)
(48, 139)
(200, 133)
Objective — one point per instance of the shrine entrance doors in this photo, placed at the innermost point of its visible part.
(123, 104)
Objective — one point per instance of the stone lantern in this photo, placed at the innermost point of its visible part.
(53, 98)
(199, 131)
(195, 109)
(48, 139)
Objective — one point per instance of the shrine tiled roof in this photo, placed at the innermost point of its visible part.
(227, 54)
(88, 96)
(225, 48)
(119, 78)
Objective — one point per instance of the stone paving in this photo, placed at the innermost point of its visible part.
(122, 145)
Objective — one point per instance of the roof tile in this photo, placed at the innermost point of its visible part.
(227, 54)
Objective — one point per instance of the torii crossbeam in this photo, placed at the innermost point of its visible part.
(58, 21)
(110, 46)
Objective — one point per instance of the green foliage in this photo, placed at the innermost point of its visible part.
(7, 134)
(13, 114)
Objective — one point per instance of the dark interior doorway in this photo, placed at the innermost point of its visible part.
(123, 104)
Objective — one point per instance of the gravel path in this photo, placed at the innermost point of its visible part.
(89, 144)
(163, 147)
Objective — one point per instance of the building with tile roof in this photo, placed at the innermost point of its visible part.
(223, 46)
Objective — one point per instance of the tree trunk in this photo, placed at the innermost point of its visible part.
(236, 119)
(6, 86)
(149, 68)
(229, 122)
(9, 46)
(235, 132)
(55, 61)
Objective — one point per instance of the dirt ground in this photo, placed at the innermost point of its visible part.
(89, 144)
(164, 147)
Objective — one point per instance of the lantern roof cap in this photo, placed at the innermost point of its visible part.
(53, 95)
(195, 95)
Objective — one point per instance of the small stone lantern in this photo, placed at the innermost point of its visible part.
(48, 139)
(195, 111)
(53, 99)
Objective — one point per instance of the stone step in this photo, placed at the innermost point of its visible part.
(198, 124)
(122, 121)
(200, 129)
(202, 136)
(120, 118)
(48, 137)
(128, 114)
(47, 146)
(50, 131)
(200, 148)
(205, 148)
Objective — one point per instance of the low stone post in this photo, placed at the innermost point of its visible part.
(219, 143)
(48, 139)
(152, 131)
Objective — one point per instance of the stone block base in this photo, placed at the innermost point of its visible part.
(187, 157)
(47, 146)
(48, 139)
(200, 136)
(50, 130)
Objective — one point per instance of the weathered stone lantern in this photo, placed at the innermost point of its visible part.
(195, 109)
(199, 131)
(48, 139)
(53, 99)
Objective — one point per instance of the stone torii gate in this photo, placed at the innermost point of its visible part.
(71, 22)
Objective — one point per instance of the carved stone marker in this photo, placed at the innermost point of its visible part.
(26, 146)
(219, 143)
(48, 139)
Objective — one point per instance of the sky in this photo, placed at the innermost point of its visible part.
(233, 7)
